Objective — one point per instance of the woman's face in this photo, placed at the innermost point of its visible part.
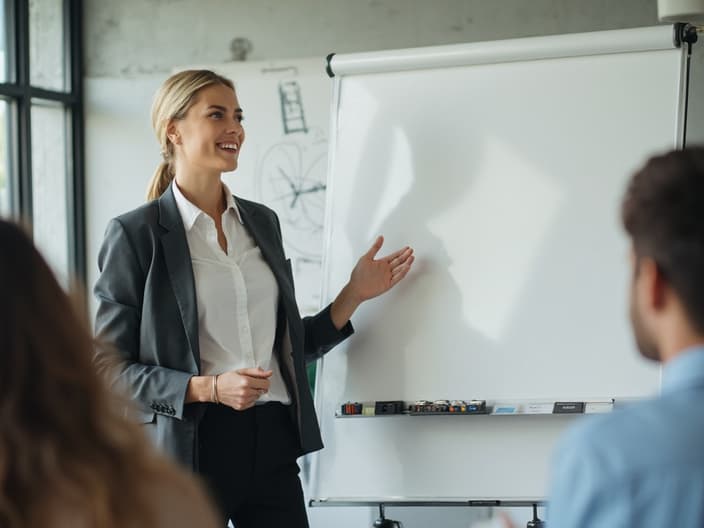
(210, 137)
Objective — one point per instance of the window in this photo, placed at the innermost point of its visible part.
(4, 168)
(50, 184)
(41, 127)
(3, 42)
(47, 55)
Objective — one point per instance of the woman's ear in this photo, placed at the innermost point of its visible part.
(172, 133)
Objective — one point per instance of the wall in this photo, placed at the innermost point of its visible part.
(131, 45)
(134, 37)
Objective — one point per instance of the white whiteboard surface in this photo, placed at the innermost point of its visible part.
(506, 178)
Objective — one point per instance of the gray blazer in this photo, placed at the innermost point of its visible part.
(147, 309)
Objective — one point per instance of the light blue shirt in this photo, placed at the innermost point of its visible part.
(641, 466)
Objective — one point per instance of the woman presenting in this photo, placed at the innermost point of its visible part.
(197, 296)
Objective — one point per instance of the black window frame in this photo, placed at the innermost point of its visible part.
(19, 93)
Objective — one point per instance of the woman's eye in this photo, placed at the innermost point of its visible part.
(239, 118)
(216, 115)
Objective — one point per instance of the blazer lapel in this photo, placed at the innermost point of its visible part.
(264, 234)
(178, 263)
(265, 237)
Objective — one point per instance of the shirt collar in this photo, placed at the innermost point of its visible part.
(231, 203)
(190, 212)
(684, 371)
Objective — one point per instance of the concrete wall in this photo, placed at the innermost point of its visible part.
(131, 45)
(133, 37)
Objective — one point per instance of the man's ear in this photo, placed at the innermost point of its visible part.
(653, 283)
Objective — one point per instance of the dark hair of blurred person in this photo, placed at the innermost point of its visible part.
(662, 213)
(68, 455)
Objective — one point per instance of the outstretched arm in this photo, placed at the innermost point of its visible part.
(370, 278)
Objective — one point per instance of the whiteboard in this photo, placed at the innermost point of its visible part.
(503, 165)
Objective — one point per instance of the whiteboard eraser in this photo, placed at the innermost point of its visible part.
(568, 408)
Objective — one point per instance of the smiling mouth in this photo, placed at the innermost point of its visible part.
(228, 147)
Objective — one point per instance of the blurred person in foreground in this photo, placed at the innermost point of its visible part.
(643, 466)
(68, 455)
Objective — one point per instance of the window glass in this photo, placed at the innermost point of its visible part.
(46, 44)
(4, 160)
(3, 44)
(49, 185)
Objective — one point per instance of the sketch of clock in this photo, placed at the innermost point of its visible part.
(292, 180)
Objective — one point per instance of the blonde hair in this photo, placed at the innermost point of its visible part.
(68, 455)
(171, 102)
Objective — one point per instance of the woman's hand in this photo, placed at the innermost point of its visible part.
(240, 389)
(370, 278)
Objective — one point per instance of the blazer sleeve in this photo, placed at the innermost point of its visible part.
(321, 336)
(119, 291)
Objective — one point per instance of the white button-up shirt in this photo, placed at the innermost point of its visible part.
(237, 296)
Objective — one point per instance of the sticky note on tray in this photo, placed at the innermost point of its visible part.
(538, 408)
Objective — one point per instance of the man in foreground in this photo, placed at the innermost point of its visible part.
(644, 466)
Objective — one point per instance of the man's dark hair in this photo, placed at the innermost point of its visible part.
(663, 212)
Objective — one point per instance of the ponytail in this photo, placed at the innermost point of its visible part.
(160, 181)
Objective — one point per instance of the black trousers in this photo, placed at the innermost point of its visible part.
(248, 460)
